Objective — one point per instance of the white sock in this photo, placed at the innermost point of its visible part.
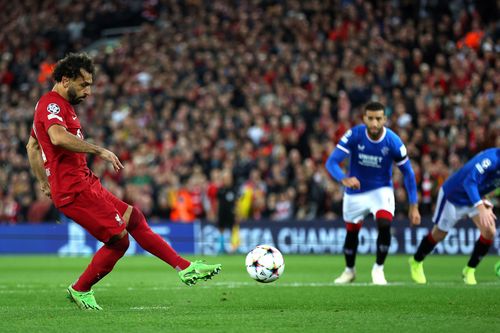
(377, 266)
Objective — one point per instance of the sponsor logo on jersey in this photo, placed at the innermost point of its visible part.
(370, 160)
(361, 147)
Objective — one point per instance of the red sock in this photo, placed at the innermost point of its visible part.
(431, 239)
(485, 241)
(152, 242)
(103, 262)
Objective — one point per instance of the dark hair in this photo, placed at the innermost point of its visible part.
(71, 66)
(374, 106)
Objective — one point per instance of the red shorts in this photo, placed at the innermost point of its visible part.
(98, 211)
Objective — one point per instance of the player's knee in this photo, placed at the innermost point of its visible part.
(489, 232)
(384, 219)
(437, 235)
(353, 227)
(120, 241)
(136, 219)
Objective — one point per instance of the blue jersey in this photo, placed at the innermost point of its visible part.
(371, 161)
(476, 178)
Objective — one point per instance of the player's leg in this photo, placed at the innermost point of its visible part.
(222, 241)
(381, 204)
(354, 210)
(350, 249)
(428, 243)
(483, 244)
(383, 219)
(235, 237)
(142, 233)
(156, 245)
(152, 242)
(101, 220)
(425, 247)
(444, 218)
(102, 263)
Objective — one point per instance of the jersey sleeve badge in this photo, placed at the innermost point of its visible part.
(53, 109)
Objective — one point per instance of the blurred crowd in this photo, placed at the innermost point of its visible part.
(259, 89)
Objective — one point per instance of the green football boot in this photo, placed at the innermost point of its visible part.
(469, 275)
(84, 299)
(417, 271)
(198, 270)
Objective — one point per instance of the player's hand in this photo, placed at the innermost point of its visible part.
(111, 157)
(45, 188)
(351, 182)
(414, 215)
(486, 216)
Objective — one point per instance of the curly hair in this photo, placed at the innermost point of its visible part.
(71, 66)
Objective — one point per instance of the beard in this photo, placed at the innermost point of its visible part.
(73, 99)
(375, 133)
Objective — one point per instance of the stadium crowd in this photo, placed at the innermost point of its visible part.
(264, 89)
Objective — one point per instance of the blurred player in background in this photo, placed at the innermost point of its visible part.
(56, 152)
(459, 197)
(227, 195)
(371, 148)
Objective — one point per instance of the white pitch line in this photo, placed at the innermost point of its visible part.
(27, 289)
(141, 308)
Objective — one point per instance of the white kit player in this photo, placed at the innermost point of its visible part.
(462, 196)
(372, 149)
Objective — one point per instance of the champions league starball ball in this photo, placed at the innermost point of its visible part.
(265, 263)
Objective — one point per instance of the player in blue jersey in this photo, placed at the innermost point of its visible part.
(461, 196)
(372, 149)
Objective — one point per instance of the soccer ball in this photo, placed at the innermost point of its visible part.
(265, 263)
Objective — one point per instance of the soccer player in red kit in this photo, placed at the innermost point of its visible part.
(57, 155)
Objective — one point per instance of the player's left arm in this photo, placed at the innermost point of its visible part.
(478, 175)
(471, 184)
(403, 162)
(472, 181)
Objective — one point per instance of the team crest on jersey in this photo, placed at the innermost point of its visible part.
(385, 151)
(53, 108)
(118, 219)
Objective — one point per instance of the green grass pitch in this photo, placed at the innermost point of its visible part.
(144, 295)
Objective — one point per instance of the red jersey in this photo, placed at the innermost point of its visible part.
(67, 171)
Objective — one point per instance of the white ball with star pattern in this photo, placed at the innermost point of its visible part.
(265, 263)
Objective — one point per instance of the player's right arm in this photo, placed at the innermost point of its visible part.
(337, 156)
(36, 162)
(60, 137)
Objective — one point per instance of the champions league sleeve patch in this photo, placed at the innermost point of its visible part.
(53, 110)
(403, 151)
